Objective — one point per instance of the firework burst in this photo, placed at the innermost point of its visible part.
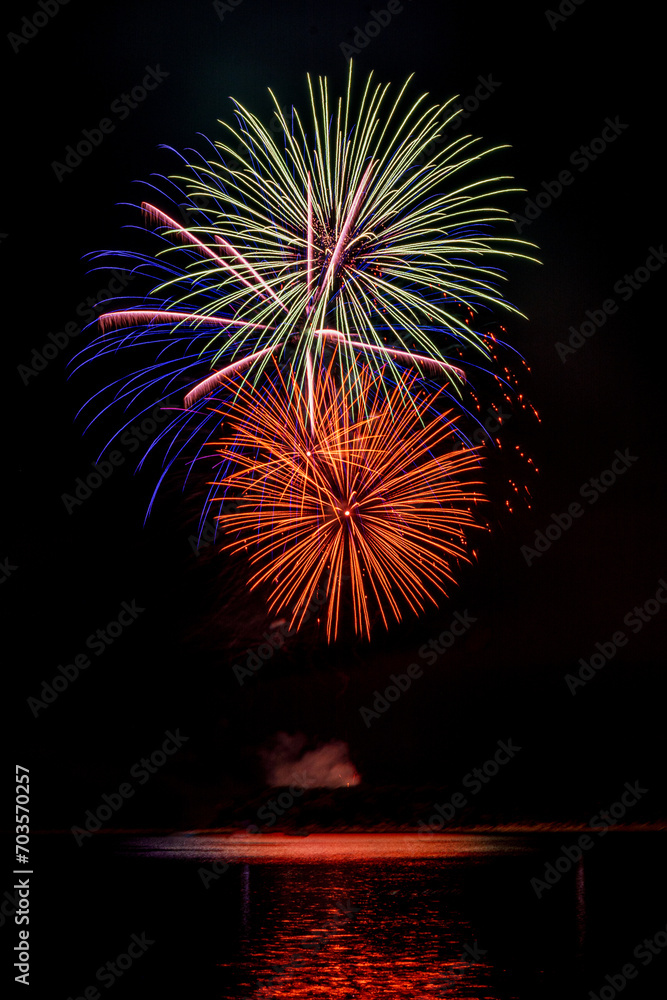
(305, 286)
(367, 507)
(340, 229)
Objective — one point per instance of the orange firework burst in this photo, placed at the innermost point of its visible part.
(330, 498)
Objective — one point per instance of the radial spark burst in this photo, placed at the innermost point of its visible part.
(311, 279)
(362, 224)
(346, 508)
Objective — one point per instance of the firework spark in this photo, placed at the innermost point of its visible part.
(320, 276)
(340, 224)
(375, 504)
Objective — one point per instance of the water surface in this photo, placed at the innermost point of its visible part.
(341, 916)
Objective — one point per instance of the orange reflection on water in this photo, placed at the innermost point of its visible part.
(328, 847)
(341, 916)
(380, 927)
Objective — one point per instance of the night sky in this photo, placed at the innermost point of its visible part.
(555, 84)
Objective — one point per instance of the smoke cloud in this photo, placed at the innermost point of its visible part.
(286, 762)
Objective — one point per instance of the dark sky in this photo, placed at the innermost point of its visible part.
(556, 83)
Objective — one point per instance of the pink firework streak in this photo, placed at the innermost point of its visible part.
(311, 404)
(406, 356)
(210, 383)
(354, 208)
(157, 216)
(309, 245)
(214, 380)
(132, 317)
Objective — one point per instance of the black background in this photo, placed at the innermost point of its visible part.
(173, 666)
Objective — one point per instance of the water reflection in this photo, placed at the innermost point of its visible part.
(353, 915)
(343, 916)
(324, 847)
(581, 905)
(365, 933)
(245, 896)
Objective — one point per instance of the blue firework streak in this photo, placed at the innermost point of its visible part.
(331, 236)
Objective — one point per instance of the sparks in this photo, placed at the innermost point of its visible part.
(377, 505)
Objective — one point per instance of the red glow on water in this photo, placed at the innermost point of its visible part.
(322, 938)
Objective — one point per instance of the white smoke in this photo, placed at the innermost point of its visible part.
(286, 762)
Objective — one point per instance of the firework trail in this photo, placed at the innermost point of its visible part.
(328, 499)
(338, 265)
(333, 228)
